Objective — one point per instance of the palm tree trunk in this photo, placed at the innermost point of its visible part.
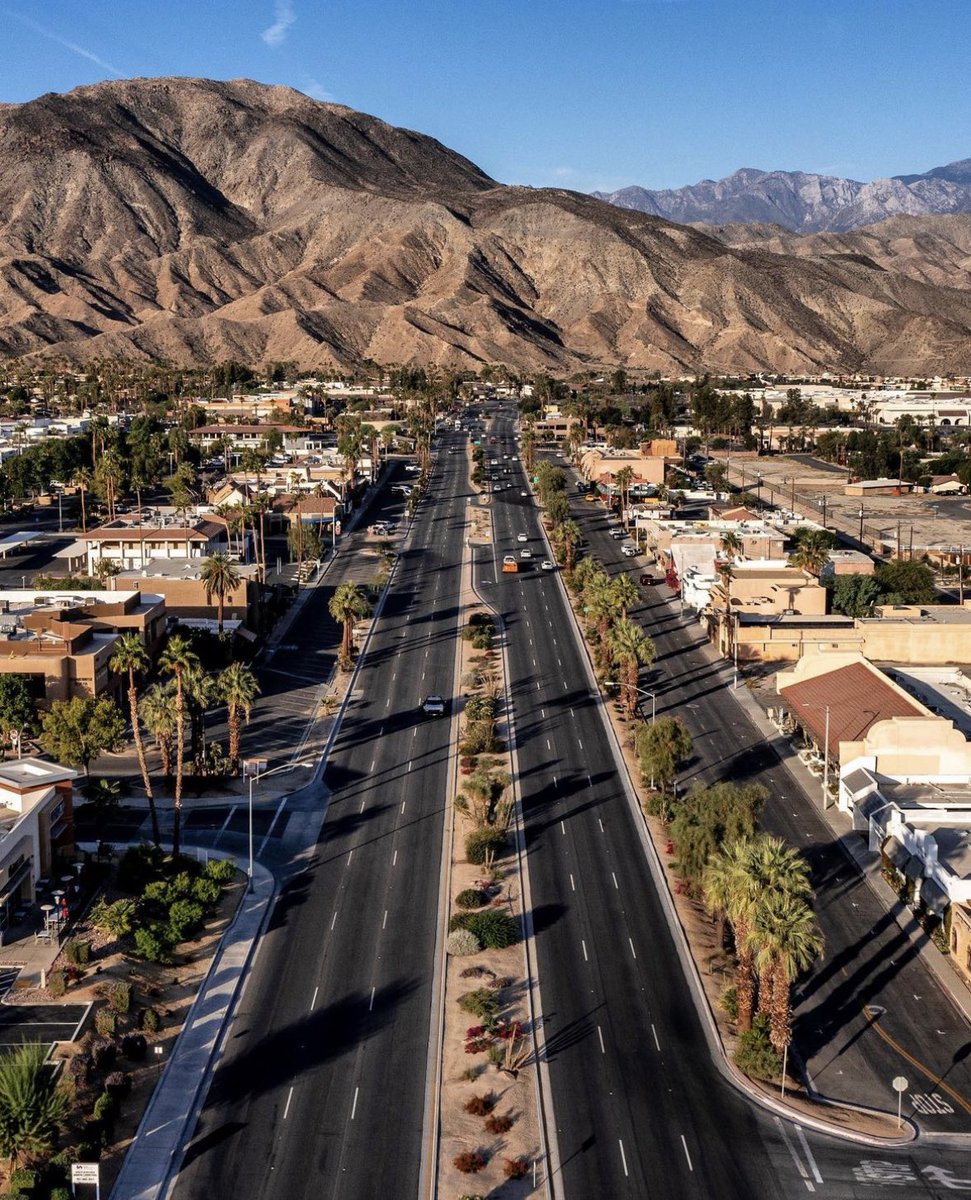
(179, 765)
(234, 732)
(346, 641)
(744, 979)
(140, 751)
(165, 750)
(780, 1009)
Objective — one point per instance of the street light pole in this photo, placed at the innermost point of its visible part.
(860, 538)
(640, 692)
(826, 763)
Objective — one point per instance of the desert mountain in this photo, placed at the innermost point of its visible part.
(192, 220)
(803, 202)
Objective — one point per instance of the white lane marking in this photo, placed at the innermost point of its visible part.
(372, 764)
(387, 703)
(354, 1105)
(350, 855)
(229, 817)
(795, 1157)
(614, 878)
(559, 661)
(554, 641)
(363, 802)
(572, 884)
(809, 1155)
(394, 676)
(601, 824)
(394, 859)
(314, 1001)
(656, 1042)
(548, 746)
(584, 946)
(562, 828)
(630, 943)
(409, 764)
(370, 1007)
(623, 1157)
(686, 1154)
(534, 662)
(385, 921)
(414, 732)
(404, 802)
(579, 743)
(542, 713)
(601, 1036)
(286, 1108)
(333, 921)
(554, 781)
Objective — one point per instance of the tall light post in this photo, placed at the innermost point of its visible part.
(252, 769)
(640, 692)
(860, 538)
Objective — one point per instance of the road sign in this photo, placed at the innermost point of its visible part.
(85, 1173)
(900, 1084)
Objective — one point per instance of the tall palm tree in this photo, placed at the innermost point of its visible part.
(631, 648)
(220, 578)
(812, 551)
(177, 658)
(347, 605)
(785, 940)
(625, 593)
(239, 688)
(130, 658)
(624, 478)
(568, 537)
(600, 603)
(82, 480)
(731, 544)
(156, 711)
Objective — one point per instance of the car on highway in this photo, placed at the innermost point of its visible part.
(527, 553)
(628, 551)
(591, 498)
(522, 537)
(433, 706)
(547, 565)
(525, 495)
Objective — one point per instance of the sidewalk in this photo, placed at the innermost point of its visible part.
(156, 1152)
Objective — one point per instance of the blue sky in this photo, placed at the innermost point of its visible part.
(577, 93)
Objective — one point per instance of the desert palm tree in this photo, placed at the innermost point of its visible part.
(812, 551)
(785, 940)
(624, 478)
(731, 544)
(130, 658)
(156, 711)
(347, 605)
(239, 688)
(220, 578)
(600, 603)
(569, 537)
(82, 480)
(177, 658)
(625, 593)
(631, 648)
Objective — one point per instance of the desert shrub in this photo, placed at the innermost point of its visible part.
(499, 1123)
(118, 1084)
(469, 1162)
(60, 1193)
(481, 843)
(206, 892)
(494, 929)
(729, 1002)
(158, 892)
(480, 1003)
(220, 869)
(461, 942)
(153, 942)
(471, 898)
(480, 1106)
(120, 998)
(185, 916)
(23, 1179)
(472, 1073)
(78, 952)
(105, 1108)
(57, 984)
(103, 1055)
(516, 1168)
(471, 1196)
(755, 1054)
(500, 982)
(495, 1055)
(105, 1022)
(151, 1022)
(134, 1046)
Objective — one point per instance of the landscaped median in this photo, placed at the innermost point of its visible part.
(489, 1130)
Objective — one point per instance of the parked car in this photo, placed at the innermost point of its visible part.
(647, 580)
(628, 551)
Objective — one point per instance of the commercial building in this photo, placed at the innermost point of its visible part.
(129, 544)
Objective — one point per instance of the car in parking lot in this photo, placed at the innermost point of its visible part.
(433, 706)
(522, 537)
(628, 551)
(616, 532)
(647, 579)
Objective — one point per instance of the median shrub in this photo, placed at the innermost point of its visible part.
(499, 1123)
(471, 898)
(469, 1162)
(78, 952)
(462, 942)
(480, 1003)
(516, 1168)
(480, 1106)
(494, 929)
(755, 1054)
(484, 843)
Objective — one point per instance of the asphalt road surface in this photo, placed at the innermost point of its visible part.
(321, 1090)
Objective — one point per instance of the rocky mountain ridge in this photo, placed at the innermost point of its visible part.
(195, 220)
(804, 202)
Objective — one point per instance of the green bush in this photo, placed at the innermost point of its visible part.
(105, 1108)
(220, 869)
(158, 892)
(755, 1054)
(139, 866)
(105, 1022)
(116, 919)
(494, 929)
(23, 1179)
(462, 942)
(729, 1002)
(480, 1003)
(471, 898)
(78, 952)
(120, 998)
(185, 916)
(153, 942)
(481, 843)
(151, 1022)
(206, 892)
(57, 984)
(60, 1193)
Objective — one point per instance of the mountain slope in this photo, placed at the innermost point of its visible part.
(195, 220)
(805, 202)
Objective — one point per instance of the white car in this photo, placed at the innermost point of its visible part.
(433, 706)
(525, 553)
(525, 495)
(628, 551)
(522, 537)
(546, 565)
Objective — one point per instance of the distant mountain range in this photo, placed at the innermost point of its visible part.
(199, 221)
(802, 202)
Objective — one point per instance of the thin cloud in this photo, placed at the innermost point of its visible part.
(65, 42)
(285, 15)
(317, 90)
